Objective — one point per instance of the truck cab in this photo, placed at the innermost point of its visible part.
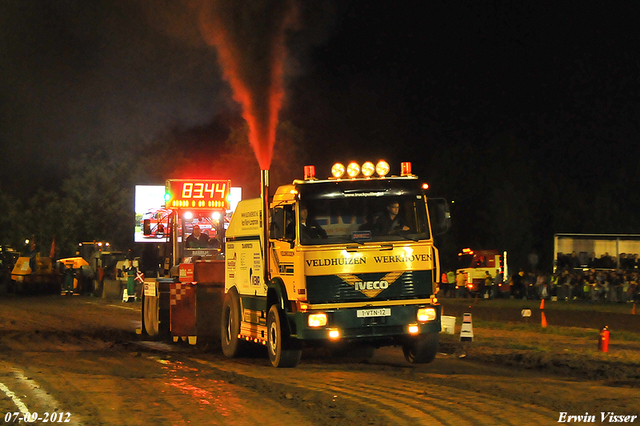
(349, 259)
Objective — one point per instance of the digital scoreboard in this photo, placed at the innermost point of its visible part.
(197, 193)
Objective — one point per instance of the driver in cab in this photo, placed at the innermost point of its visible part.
(390, 221)
(197, 239)
(309, 228)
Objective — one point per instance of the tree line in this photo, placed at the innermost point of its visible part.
(94, 201)
(507, 193)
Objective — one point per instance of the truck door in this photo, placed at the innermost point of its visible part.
(282, 235)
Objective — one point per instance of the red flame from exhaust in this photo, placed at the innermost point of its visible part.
(249, 38)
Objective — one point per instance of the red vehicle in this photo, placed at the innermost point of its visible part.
(195, 272)
(158, 223)
(206, 224)
(476, 263)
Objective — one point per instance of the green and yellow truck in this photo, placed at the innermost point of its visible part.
(345, 260)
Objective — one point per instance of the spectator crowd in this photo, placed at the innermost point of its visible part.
(626, 262)
(604, 279)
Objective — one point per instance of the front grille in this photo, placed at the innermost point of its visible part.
(332, 289)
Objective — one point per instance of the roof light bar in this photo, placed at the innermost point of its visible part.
(353, 170)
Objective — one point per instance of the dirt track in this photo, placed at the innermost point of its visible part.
(85, 354)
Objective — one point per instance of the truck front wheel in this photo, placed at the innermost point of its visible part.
(283, 351)
(421, 349)
(232, 346)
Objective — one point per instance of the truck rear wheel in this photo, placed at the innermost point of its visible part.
(421, 349)
(232, 346)
(283, 351)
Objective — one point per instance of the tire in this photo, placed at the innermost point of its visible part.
(421, 349)
(283, 351)
(232, 346)
(150, 315)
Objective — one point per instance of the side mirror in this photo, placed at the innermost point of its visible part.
(439, 215)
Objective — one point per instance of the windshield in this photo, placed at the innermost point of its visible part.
(466, 261)
(479, 259)
(365, 214)
(201, 236)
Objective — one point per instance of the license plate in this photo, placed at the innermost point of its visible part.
(366, 313)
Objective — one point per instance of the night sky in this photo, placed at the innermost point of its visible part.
(543, 86)
(561, 75)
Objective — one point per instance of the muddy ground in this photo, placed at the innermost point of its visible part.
(567, 345)
(513, 372)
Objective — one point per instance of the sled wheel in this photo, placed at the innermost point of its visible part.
(283, 351)
(150, 315)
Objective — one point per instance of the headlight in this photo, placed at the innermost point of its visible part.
(426, 314)
(317, 320)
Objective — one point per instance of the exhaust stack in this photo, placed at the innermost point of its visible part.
(264, 193)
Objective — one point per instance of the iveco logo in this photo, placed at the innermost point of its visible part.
(370, 285)
(370, 288)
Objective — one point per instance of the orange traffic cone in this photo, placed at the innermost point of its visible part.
(542, 304)
(633, 310)
(544, 320)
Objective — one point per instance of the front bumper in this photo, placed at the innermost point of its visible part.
(353, 328)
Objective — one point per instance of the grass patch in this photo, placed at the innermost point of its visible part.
(556, 330)
(553, 344)
(572, 305)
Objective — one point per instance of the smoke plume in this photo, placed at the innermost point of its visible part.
(249, 36)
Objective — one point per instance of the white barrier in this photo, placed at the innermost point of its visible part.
(448, 324)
